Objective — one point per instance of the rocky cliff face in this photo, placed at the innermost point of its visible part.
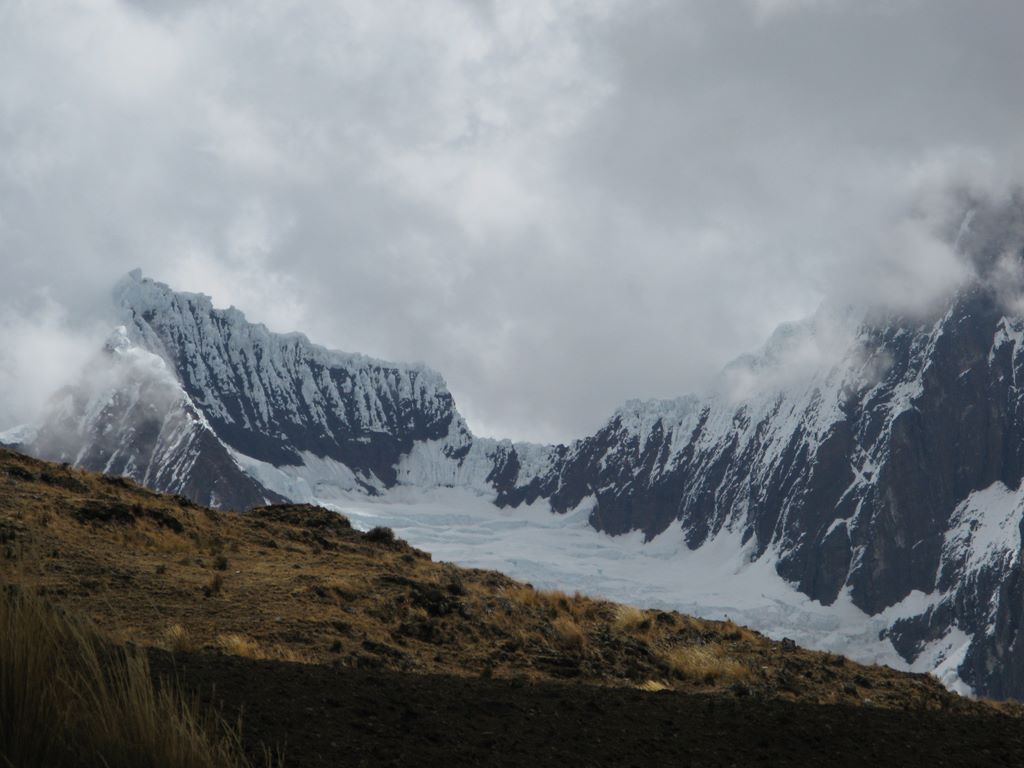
(195, 400)
(275, 397)
(895, 474)
(129, 416)
(850, 473)
(889, 468)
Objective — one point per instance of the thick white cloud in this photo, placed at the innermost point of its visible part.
(559, 205)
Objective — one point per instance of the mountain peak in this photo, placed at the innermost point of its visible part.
(136, 293)
(279, 398)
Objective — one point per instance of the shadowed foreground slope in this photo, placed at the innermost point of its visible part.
(329, 717)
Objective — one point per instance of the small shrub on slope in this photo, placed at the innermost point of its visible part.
(380, 535)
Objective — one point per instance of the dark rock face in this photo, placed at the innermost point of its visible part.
(897, 471)
(274, 397)
(853, 483)
(128, 417)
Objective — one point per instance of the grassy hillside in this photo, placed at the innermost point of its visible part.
(298, 583)
(294, 591)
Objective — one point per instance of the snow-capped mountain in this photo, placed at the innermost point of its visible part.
(871, 460)
(128, 415)
(889, 476)
(875, 457)
(278, 397)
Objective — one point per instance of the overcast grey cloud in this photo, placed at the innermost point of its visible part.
(559, 205)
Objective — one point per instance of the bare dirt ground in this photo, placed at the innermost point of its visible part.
(344, 717)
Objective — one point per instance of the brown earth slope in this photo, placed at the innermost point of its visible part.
(294, 593)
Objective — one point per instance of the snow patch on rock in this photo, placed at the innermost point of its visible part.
(985, 530)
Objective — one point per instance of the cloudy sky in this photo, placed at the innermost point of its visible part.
(559, 205)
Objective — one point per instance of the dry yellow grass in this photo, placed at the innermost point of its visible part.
(235, 644)
(528, 597)
(178, 639)
(569, 634)
(240, 645)
(653, 686)
(710, 663)
(734, 631)
(556, 599)
(286, 653)
(630, 619)
(551, 601)
(69, 698)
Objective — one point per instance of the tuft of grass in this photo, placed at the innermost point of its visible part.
(69, 698)
(735, 632)
(179, 639)
(240, 645)
(569, 634)
(630, 620)
(653, 686)
(523, 596)
(709, 664)
(556, 600)
(552, 602)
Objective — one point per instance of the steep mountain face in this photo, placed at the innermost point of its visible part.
(129, 416)
(850, 474)
(194, 400)
(871, 458)
(892, 473)
(276, 398)
(895, 473)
